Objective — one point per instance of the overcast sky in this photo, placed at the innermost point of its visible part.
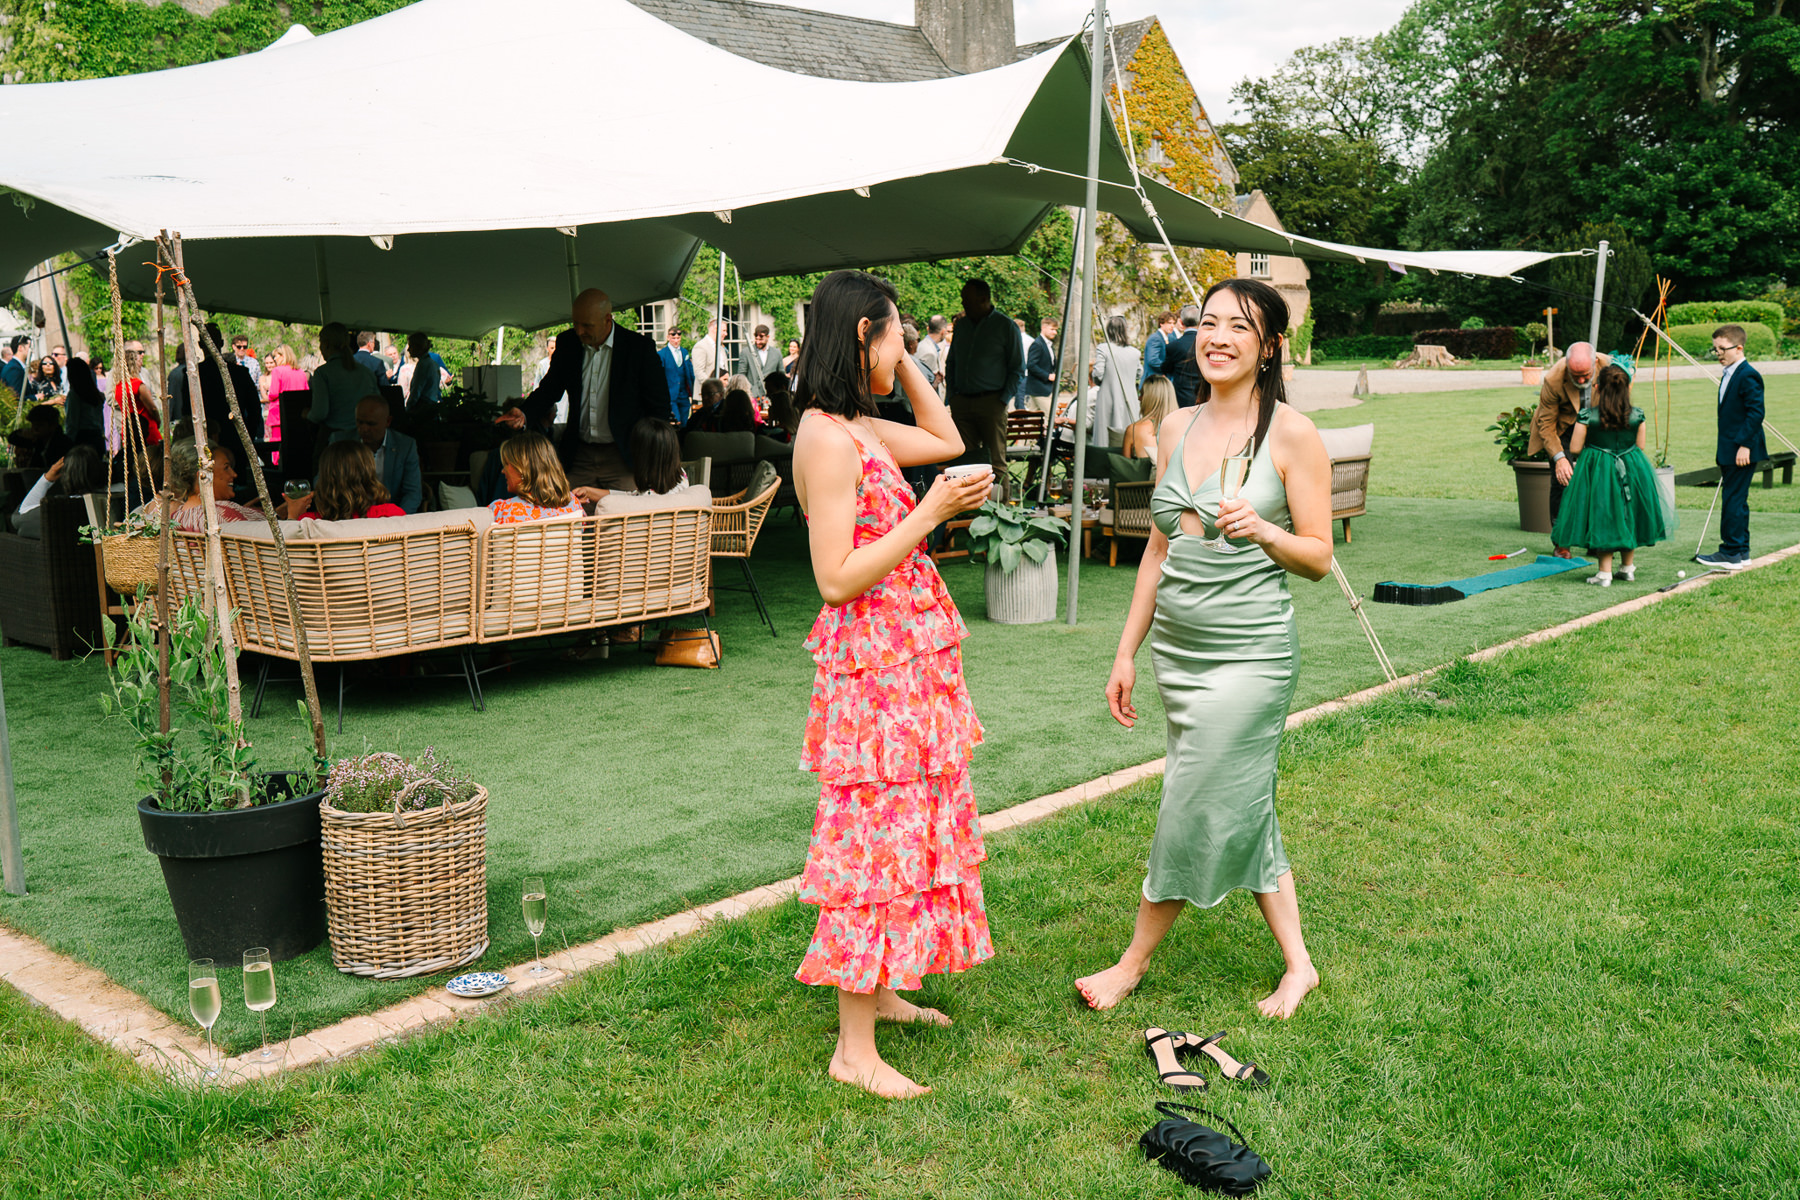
(1218, 41)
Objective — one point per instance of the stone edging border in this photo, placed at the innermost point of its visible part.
(124, 1020)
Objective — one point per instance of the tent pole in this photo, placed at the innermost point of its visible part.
(1587, 389)
(1062, 338)
(499, 345)
(12, 856)
(719, 312)
(62, 321)
(1085, 337)
(324, 282)
(574, 267)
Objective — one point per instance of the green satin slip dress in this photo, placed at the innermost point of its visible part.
(1226, 655)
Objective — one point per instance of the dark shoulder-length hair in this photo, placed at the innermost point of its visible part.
(833, 371)
(346, 484)
(655, 456)
(1612, 396)
(1268, 314)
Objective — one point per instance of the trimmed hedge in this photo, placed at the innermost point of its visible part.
(1759, 339)
(1368, 345)
(1495, 341)
(1727, 312)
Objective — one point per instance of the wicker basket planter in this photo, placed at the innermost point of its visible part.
(406, 892)
(130, 561)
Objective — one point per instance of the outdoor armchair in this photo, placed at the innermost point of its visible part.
(1350, 451)
(735, 523)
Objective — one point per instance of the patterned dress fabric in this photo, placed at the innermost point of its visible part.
(896, 843)
(510, 510)
(1612, 502)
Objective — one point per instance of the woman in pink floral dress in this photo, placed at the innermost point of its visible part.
(896, 844)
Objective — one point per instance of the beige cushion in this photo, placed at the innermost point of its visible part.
(451, 497)
(369, 527)
(1353, 442)
(694, 495)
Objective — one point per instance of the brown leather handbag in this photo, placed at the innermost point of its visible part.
(688, 648)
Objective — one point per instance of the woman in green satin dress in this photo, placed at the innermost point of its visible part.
(1212, 597)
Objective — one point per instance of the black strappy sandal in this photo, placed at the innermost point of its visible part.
(1191, 1081)
(1247, 1073)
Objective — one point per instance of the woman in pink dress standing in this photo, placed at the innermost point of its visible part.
(281, 375)
(896, 843)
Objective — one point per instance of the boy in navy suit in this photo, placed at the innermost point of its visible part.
(1740, 447)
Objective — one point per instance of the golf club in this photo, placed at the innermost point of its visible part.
(1709, 571)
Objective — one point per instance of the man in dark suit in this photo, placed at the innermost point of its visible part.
(1157, 347)
(219, 425)
(396, 455)
(1182, 362)
(1040, 368)
(678, 370)
(13, 373)
(613, 378)
(366, 346)
(1740, 448)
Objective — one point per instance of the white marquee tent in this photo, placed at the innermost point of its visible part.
(643, 167)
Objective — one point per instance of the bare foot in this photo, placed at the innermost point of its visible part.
(1288, 993)
(891, 1006)
(1103, 989)
(875, 1077)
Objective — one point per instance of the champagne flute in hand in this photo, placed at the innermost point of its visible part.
(204, 1003)
(259, 991)
(537, 907)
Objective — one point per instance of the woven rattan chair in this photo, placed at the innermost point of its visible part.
(47, 583)
(699, 470)
(735, 524)
(1130, 516)
(1350, 451)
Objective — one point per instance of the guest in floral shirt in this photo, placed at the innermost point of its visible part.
(534, 476)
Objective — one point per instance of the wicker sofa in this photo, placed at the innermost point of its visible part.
(454, 580)
(48, 595)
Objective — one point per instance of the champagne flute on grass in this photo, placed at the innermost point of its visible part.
(204, 1003)
(537, 907)
(259, 991)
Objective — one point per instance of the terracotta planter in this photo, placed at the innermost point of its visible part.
(1533, 479)
(1531, 376)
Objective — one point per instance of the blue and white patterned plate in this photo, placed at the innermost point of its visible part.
(477, 983)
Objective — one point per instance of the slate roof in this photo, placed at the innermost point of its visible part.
(834, 46)
(806, 42)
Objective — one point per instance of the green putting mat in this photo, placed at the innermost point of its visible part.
(1459, 589)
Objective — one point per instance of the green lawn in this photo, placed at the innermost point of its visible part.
(639, 791)
(1436, 444)
(1555, 906)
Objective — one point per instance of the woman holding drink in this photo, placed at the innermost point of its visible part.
(1243, 498)
(894, 864)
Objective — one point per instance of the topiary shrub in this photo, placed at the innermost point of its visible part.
(1759, 339)
(1727, 312)
(1492, 341)
(1369, 346)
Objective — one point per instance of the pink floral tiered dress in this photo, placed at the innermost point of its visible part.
(896, 846)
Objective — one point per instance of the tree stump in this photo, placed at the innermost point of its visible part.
(1427, 356)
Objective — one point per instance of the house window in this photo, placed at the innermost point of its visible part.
(1259, 266)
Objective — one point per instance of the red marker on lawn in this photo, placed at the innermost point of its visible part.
(1504, 557)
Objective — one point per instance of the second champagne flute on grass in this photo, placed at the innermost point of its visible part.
(204, 1003)
(537, 907)
(259, 991)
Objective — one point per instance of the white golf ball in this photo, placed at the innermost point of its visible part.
(1681, 574)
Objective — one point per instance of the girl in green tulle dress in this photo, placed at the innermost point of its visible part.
(1612, 505)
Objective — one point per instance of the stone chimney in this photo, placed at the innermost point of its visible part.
(970, 35)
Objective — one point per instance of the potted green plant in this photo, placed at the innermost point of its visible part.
(1531, 472)
(1531, 371)
(1021, 561)
(239, 849)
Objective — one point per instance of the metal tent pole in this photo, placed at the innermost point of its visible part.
(12, 855)
(1062, 335)
(63, 322)
(1587, 389)
(324, 291)
(574, 261)
(1085, 339)
(719, 333)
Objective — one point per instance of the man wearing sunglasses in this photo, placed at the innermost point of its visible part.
(1740, 448)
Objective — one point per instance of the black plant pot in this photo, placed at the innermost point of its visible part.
(245, 877)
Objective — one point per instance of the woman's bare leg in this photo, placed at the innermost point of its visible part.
(1281, 909)
(1103, 989)
(856, 1060)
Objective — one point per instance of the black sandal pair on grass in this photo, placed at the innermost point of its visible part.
(1166, 1049)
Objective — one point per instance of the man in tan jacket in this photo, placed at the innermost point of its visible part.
(1559, 401)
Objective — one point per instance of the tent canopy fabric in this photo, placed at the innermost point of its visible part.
(401, 242)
